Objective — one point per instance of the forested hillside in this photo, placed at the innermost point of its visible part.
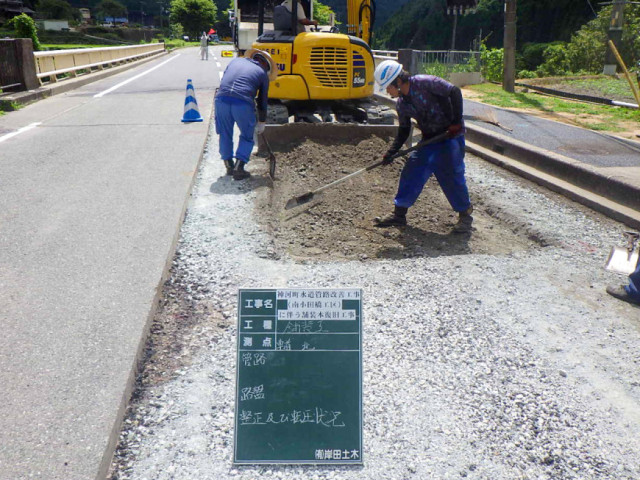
(384, 10)
(424, 24)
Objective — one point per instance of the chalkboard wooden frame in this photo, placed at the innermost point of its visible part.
(299, 376)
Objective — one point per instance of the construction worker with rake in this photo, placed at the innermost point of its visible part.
(436, 106)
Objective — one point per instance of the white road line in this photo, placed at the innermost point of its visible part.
(101, 94)
(19, 131)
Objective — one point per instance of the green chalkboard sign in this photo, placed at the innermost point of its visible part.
(299, 376)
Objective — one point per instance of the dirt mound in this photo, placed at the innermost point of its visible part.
(338, 224)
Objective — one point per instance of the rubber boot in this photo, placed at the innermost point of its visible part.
(239, 173)
(396, 219)
(465, 221)
(228, 164)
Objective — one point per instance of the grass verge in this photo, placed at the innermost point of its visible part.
(586, 115)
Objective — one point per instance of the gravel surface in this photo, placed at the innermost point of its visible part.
(512, 365)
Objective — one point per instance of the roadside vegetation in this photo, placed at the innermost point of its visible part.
(586, 115)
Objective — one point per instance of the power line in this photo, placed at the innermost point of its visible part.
(592, 9)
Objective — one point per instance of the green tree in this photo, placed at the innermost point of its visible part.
(25, 27)
(492, 60)
(57, 9)
(557, 61)
(111, 8)
(195, 16)
(322, 13)
(585, 52)
(177, 30)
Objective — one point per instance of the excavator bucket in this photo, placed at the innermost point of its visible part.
(284, 137)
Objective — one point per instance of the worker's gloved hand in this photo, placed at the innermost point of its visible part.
(260, 127)
(387, 158)
(454, 130)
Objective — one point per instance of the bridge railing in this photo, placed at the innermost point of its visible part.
(53, 63)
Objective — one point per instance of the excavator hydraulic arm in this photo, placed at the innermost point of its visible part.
(361, 15)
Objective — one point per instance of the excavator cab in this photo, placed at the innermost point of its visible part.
(322, 76)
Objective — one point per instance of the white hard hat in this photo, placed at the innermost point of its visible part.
(272, 70)
(387, 72)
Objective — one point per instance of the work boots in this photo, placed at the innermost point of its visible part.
(396, 219)
(621, 293)
(465, 220)
(239, 173)
(228, 164)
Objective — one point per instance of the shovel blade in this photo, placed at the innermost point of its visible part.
(272, 166)
(297, 201)
(622, 261)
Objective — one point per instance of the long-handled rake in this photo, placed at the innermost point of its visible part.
(488, 116)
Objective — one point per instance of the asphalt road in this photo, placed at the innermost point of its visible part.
(590, 147)
(92, 192)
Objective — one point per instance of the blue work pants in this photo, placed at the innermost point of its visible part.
(230, 111)
(633, 289)
(445, 160)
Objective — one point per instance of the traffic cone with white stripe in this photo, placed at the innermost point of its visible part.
(191, 112)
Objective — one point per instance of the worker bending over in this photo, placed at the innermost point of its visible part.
(436, 105)
(245, 82)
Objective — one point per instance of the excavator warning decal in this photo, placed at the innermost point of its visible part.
(358, 60)
(359, 77)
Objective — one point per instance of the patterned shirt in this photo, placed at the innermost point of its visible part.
(429, 104)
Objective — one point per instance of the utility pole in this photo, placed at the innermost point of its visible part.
(615, 35)
(509, 46)
(459, 7)
(455, 25)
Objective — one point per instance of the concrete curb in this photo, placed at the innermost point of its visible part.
(565, 168)
(24, 98)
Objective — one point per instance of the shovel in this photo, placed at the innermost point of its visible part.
(624, 259)
(271, 158)
(307, 197)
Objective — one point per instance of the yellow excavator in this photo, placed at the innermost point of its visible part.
(323, 75)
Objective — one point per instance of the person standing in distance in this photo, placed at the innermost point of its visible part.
(436, 106)
(204, 46)
(302, 17)
(245, 82)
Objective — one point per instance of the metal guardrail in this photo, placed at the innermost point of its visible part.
(459, 67)
(385, 54)
(445, 62)
(60, 62)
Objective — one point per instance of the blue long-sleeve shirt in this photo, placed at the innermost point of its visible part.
(243, 79)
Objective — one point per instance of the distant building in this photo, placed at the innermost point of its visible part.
(86, 15)
(109, 21)
(13, 8)
(55, 25)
